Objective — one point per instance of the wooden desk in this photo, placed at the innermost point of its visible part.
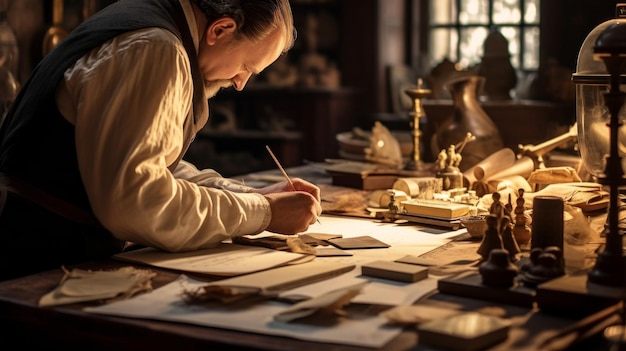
(25, 324)
(68, 327)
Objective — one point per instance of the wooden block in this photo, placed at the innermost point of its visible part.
(435, 208)
(575, 296)
(369, 176)
(395, 271)
(470, 285)
(363, 181)
(464, 332)
(362, 176)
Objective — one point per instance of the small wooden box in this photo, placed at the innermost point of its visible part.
(395, 271)
(468, 331)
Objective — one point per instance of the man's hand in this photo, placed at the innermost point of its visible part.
(293, 210)
(299, 185)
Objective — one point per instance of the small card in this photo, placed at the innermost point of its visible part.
(359, 242)
(318, 239)
(320, 236)
(327, 251)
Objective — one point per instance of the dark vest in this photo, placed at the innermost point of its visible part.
(38, 145)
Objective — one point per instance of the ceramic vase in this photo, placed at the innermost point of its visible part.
(467, 117)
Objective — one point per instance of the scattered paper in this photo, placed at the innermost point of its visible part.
(84, 285)
(165, 304)
(222, 294)
(327, 304)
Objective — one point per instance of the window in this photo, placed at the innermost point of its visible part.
(458, 29)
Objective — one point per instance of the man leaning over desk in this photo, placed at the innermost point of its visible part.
(91, 150)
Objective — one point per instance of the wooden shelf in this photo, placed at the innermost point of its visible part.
(306, 120)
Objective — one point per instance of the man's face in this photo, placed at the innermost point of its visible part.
(225, 60)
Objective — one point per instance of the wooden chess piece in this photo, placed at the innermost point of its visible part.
(521, 229)
(393, 207)
(508, 208)
(497, 207)
(559, 269)
(546, 265)
(534, 259)
(506, 231)
(498, 271)
(508, 241)
(491, 240)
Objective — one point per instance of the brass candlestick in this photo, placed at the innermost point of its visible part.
(415, 163)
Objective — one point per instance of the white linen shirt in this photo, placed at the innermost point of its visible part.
(128, 100)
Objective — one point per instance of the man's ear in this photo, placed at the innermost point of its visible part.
(220, 29)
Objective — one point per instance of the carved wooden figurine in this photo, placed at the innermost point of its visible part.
(504, 225)
(448, 162)
(521, 229)
(508, 241)
(497, 207)
(492, 239)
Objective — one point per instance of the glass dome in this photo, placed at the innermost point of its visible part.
(592, 81)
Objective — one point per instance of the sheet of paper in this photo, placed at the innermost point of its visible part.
(165, 304)
(286, 277)
(403, 238)
(320, 288)
(225, 260)
(376, 292)
(373, 331)
(350, 227)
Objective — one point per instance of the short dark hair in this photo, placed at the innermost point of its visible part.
(255, 18)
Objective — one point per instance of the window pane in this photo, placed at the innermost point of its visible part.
(506, 11)
(531, 12)
(442, 11)
(531, 48)
(461, 38)
(474, 12)
(443, 45)
(471, 45)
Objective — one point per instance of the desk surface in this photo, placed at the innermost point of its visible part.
(67, 326)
